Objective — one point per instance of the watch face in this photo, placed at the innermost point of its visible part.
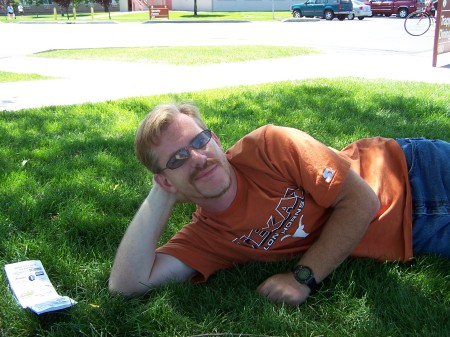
(304, 273)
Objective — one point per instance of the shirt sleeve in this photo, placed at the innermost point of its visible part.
(297, 157)
(194, 245)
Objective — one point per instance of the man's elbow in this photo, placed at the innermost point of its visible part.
(126, 288)
(360, 198)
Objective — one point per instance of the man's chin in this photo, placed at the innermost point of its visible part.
(215, 188)
(215, 195)
(212, 182)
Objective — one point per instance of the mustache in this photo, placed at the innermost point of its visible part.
(208, 162)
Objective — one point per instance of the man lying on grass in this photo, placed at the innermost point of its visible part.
(276, 194)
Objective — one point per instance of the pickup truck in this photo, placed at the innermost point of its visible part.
(401, 8)
(327, 9)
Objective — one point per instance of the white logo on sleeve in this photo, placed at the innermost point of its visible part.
(328, 174)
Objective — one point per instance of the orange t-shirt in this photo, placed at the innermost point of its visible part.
(287, 182)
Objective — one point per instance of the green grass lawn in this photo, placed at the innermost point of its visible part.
(144, 16)
(14, 77)
(192, 55)
(70, 185)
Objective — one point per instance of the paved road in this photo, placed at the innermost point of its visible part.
(373, 48)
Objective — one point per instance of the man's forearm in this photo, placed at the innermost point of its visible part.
(135, 256)
(352, 213)
(354, 208)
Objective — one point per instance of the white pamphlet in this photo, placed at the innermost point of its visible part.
(32, 288)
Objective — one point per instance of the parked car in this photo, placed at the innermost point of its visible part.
(360, 10)
(401, 8)
(327, 9)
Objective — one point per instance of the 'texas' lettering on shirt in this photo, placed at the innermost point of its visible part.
(286, 214)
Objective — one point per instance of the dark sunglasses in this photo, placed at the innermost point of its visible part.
(182, 155)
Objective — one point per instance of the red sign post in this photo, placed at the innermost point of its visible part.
(442, 33)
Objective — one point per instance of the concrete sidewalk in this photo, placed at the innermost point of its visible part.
(94, 81)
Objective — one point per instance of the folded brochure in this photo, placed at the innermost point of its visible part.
(32, 288)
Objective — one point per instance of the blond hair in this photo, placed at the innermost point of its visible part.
(149, 132)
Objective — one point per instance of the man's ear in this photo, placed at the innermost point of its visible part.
(162, 181)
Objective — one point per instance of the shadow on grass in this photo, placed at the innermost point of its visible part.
(362, 296)
(409, 297)
(331, 113)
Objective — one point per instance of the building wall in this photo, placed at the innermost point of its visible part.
(249, 5)
(188, 5)
(49, 8)
(142, 5)
(223, 5)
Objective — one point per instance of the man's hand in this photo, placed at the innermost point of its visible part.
(284, 288)
(160, 181)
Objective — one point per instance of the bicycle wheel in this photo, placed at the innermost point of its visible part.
(417, 23)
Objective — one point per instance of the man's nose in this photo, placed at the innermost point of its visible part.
(197, 157)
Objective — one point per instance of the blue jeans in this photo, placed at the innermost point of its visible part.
(429, 175)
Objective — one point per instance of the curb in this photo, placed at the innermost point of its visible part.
(302, 20)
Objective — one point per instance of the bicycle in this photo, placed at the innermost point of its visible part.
(418, 23)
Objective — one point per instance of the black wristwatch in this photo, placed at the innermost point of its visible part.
(304, 275)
